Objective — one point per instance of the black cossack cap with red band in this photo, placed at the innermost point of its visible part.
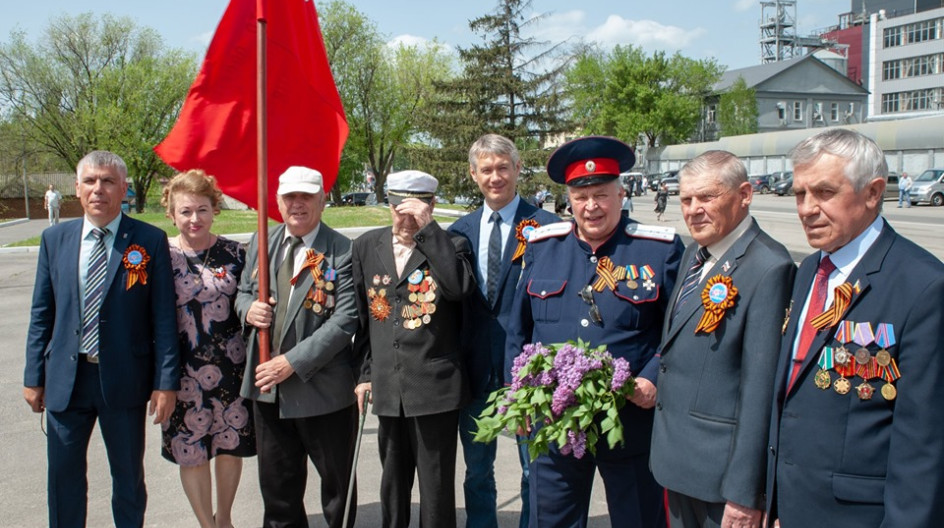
(590, 160)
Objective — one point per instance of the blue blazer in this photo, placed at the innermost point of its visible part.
(835, 459)
(138, 326)
(483, 326)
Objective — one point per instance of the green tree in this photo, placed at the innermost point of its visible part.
(385, 90)
(737, 109)
(511, 85)
(97, 84)
(628, 94)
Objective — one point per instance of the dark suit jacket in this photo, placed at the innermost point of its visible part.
(837, 460)
(418, 371)
(138, 326)
(709, 439)
(483, 326)
(318, 346)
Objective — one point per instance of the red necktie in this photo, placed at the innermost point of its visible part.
(817, 303)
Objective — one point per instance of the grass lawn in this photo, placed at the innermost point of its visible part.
(233, 222)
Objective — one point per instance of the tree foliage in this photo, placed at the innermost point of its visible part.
(92, 84)
(385, 91)
(737, 109)
(628, 94)
(510, 84)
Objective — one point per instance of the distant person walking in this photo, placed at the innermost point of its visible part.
(904, 189)
(52, 201)
(662, 198)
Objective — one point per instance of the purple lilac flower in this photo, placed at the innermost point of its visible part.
(621, 373)
(570, 366)
(579, 443)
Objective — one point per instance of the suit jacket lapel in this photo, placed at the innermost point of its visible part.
(122, 241)
(72, 245)
(729, 258)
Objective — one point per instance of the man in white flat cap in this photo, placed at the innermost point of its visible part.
(304, 396)
(409, 281)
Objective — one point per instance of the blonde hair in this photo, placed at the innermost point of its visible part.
(195, 182)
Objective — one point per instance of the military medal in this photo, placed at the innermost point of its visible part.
(889, 373)
(317, 308)
(376, 280)
(885, 338)
(379, 305)
(842, 386)
(844, 335)
(786, 318)
(632, 273)
(523, 232)
(647, 275)
(416, 276)
(307, 304)
(825, 363)
(865, 391)
(385, 280)
(889, 392)
(862, 337)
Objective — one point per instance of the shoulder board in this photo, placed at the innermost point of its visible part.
(551, 230)
(652, 232)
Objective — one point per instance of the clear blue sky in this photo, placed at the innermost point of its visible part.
(724, 29)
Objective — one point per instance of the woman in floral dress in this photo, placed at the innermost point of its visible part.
(210, 420)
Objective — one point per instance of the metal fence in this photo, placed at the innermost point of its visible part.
(11, 185)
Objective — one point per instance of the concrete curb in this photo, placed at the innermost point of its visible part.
(14, 222)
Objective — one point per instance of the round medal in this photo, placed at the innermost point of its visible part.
(822, 379)
(407, 324)
(319, 284)
(135, 257)
(329, 286)
(862, 356)
(842, 386)
(842, 355)
(631, 284)
(415, 277)
(718, 293)
(883, 358)
(430, 296)
(317, 308)
(527, 231)
(307, 305)
(426, 319)
(413, 297)
(889, 392)
(431, 308)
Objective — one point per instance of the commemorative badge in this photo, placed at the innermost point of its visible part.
(422, 298)
(523, 232)
(379, 305)
(825, 363)
(632, 276)
(717, 298)
(647, 275)
(786, 318)
(135, 261)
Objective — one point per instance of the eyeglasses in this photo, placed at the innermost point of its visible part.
(586, 293)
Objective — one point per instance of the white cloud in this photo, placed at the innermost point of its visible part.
(745, 5)
(648, 34)
(558, 27)
(408, 41)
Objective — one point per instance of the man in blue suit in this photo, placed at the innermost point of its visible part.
(102, 343)
(855, 436)
(494, 164)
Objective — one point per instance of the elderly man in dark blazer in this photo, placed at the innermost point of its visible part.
(410, 280)
(855, 436)
(304, 396)
(494, 165)
(102, 343)
(718, 353)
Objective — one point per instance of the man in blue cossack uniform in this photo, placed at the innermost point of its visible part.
(606, 280)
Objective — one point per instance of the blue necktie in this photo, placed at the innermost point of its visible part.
(692, 278)
(494, 258)
(94, 293)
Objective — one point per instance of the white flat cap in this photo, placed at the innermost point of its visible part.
(300, 179)
(410, 184)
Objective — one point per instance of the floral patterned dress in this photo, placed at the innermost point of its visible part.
(210, 417)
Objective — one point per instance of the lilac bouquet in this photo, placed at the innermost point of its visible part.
(562, 389)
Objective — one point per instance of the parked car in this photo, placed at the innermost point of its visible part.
(671, 184)
(779, 176)
(760, 183)
(891, 186)
(784, 188)
(128, 202)
(358, 198)
(656, 179)
(928, 188)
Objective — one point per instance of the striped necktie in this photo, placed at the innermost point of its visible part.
(94, 293)
(692, 278)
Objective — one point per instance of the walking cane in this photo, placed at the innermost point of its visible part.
(357, 450)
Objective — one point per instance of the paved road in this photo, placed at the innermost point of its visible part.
(23, 461)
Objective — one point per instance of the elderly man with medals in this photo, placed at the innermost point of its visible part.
(606, 280)
(410, 280)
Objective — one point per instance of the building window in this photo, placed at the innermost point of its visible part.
(923, 65)
(797, 111)
(710, 116)
(892, 37)
(891, 70)
(818, 113)
(923, 31)
(913, 100)
(834, 112)
(889, 103)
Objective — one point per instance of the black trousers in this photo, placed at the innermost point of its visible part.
(426, 446)
(689, 512)
(283, 444)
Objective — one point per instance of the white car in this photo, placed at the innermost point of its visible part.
(928, 188)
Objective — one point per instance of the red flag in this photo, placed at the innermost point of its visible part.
(216, 130)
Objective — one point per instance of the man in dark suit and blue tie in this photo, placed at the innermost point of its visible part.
(102, 343)
(716, 371)
(855, 436)
(498, 244)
